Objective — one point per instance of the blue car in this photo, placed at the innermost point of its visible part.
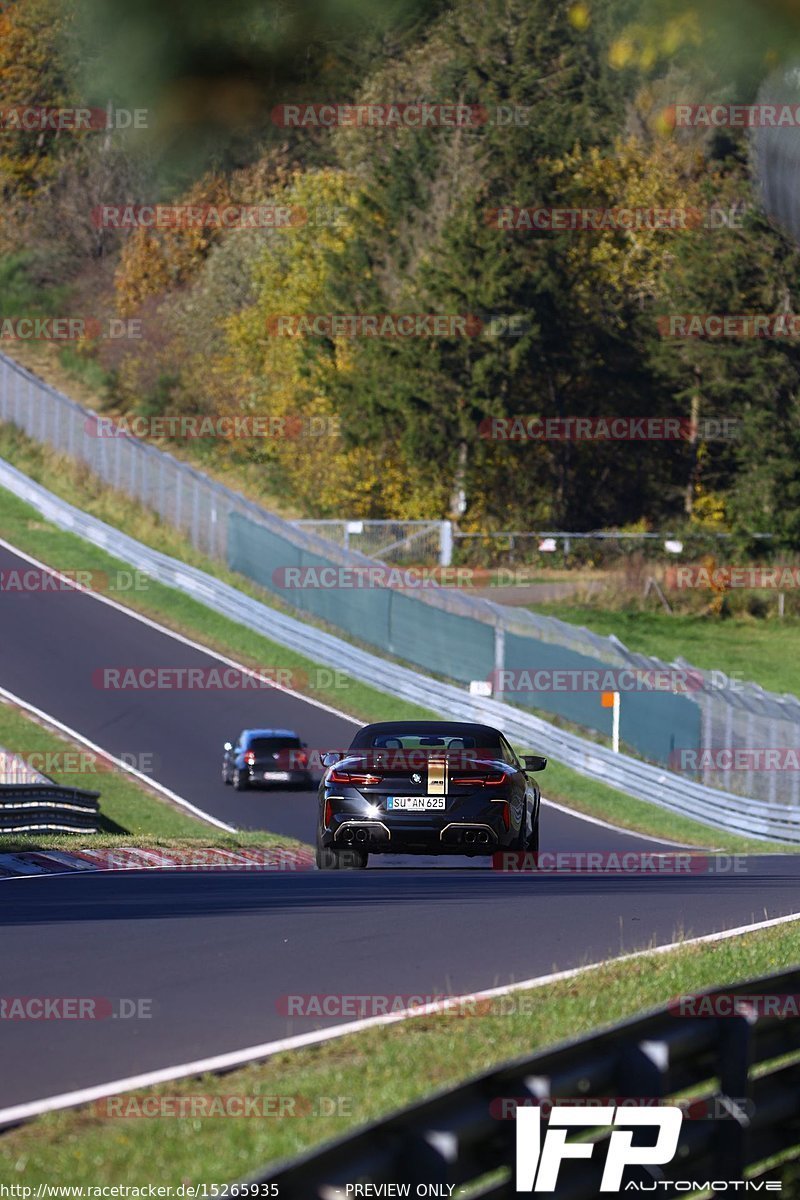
(266, 757)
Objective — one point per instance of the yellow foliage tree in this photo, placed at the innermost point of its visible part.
(34, 75)
(286, 376)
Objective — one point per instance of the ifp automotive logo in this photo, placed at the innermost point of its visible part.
(539, 1159)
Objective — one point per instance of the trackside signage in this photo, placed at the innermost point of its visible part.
(539, 1155)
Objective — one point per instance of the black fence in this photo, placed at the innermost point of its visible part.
(47, 808)
(737, 1078)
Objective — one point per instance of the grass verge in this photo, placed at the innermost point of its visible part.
(24, 528)
(362, 1078)
(130, 813)
(744, 647)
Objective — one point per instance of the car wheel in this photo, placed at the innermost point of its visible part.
(533, 841)
(225, 777)
(522, 838)
(329, 858)
(240, 781)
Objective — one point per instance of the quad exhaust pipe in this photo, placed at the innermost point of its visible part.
(476, 835)
(350, 835)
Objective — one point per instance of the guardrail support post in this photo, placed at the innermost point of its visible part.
(499, 656)
(445, 543)
(735, 1043)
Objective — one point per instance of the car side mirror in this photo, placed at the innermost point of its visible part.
(534, 762)
(228, 746)
(331, 758)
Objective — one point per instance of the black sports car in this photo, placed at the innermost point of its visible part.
(426, 787)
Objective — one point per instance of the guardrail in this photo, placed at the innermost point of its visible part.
(389, 541)
(47, 808)
(744, 1108)
(714, 807)
(449, 631)
(458, 634)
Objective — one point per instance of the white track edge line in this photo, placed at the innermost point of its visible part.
(648, 837)
(179, 637)
(235, 1058)
(106, 754)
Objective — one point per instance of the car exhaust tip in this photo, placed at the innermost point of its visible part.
(362, 835)
(469, 836)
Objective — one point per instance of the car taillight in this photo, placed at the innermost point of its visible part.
(348, 777)
(328, 812)
(479, 780)
(250, 758)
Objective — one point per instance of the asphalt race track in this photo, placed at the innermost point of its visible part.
(54, 642)
(212, 953)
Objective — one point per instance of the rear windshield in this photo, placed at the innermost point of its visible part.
(421, 741)
(268, 745)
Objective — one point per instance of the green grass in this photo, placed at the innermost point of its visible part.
(367, 1076)
(130, 814)
(20, 295)
(746, 648)
(590, 796)
(24, 528)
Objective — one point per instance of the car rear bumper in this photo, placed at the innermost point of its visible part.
(423, 837)
(264, 777)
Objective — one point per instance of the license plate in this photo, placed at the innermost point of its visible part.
(415, 803)
(276, 774)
